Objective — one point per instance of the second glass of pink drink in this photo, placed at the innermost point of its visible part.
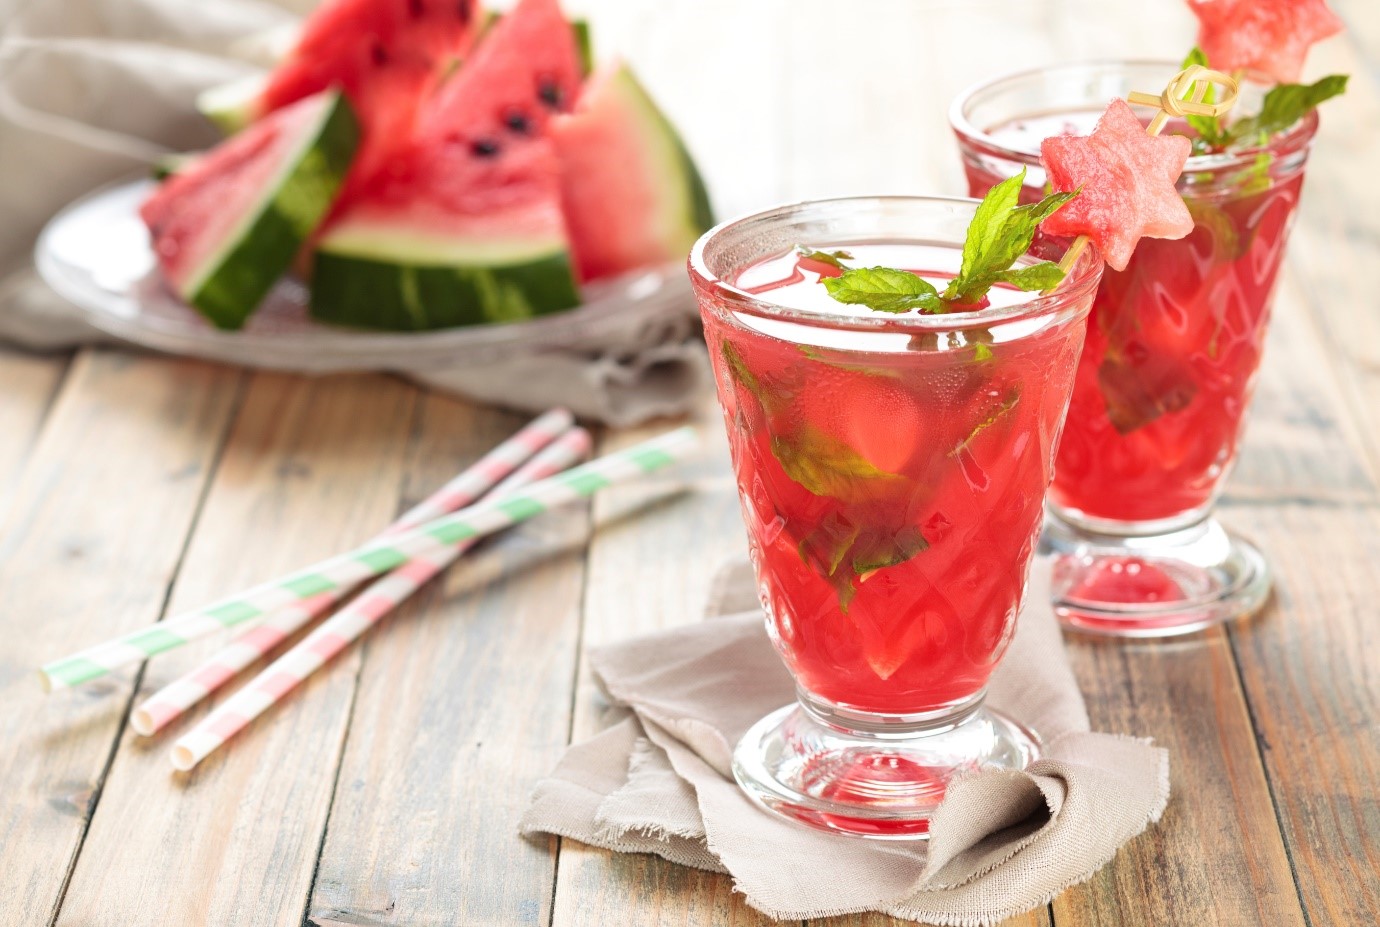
(891, 470)
(1165, 378)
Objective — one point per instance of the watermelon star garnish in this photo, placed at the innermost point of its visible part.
(1125, 180)
(1270, 36)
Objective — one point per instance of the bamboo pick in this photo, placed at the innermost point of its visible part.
(1183, 96)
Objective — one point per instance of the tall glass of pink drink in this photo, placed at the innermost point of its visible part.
(1165, 379)
(891, 470)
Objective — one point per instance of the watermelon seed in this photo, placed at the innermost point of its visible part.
(516, 120)
(379, 54)
(484, 148)
(416, 8)
(550, 92)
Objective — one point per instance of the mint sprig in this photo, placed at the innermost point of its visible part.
(1001, 232)
(1283, 106)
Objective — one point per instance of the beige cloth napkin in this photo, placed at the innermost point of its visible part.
(658, 780)
(92, 91)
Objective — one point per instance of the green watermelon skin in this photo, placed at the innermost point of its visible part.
(630, 191)
(364, 293)
(463, 225)
(237, 274)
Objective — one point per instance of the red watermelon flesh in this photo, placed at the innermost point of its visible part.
(386, 55)
(631, 193)
(529, 67)
(192, 213)
(478, 145)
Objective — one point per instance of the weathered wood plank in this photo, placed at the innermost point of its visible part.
(28, 384)
(311, 466)
(94, 535)
(1312, 677)
(657, 546)
(1188, 696)
(463, 704)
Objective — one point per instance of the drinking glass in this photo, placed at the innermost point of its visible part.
(1173, 346)
(891, 470)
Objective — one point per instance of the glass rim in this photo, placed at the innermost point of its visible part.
(1296, 136)
(1080, 282)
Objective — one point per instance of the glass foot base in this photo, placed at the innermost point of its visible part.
(1152, 586)
(883, 782)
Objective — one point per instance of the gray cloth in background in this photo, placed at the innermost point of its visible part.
(92, 91)
(658, 780)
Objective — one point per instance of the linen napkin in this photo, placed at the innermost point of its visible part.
(93, 91)
(658, 780)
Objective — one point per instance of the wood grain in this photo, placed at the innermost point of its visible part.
(28, 384)
(1312, 677)
(93, 539)
(657, 546)
(311, 467)
(463, 703)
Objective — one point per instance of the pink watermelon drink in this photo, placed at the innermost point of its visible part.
(1174, 342)
(891, 471)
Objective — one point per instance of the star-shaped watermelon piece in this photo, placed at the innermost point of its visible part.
(1270, 36)
(1125, 180)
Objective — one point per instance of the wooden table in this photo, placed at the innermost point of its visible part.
(386, 790)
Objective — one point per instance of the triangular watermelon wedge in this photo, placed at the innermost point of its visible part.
(228, 223)
(463, 224)
(632, 195)
(385, 55)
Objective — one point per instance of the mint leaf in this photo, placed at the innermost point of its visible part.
(1000, 234)
(826, 547)
(1039, 276)
(877, 550)
(824, 465)
(1138, 393)
(995, 413)
(738, 370)
(1283, 106)
(982, 352)
(1208, 129)
(832, 258)
(884, 289)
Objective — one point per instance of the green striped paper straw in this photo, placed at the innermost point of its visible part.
(333, 635)
(379, 556)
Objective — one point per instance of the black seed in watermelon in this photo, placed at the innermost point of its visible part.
(460, 228)
(226, 226)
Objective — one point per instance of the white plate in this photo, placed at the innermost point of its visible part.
(96, 253)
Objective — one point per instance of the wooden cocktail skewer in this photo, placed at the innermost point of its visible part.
(1182, 97)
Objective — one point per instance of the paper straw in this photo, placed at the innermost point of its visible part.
(373, 558)
(169, 702)
(348, 624)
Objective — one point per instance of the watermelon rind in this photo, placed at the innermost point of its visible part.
(235, 105)
(406, 283)
(236, 278)
(696, 211)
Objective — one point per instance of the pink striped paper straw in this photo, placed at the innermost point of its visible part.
(171, 701)
(336, 632)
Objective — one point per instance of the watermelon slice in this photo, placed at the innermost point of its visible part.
(1270, 36)
(1125, 182)
(227, 225)
(463, 224)
(631, 193)
(384, 54)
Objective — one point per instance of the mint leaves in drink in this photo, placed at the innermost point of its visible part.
(1001, 232)
(1283, 106)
